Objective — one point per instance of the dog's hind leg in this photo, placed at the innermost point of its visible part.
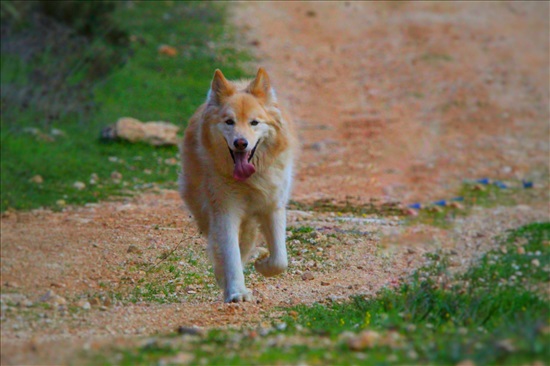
(274, 229)
(248, 235)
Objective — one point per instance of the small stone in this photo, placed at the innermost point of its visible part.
(194, 331)
(37, 179)
(478, 187)
(58, 300)
(94, 179)
(410, 212)
(83, 304)
(133, 249)
(116, 176)
(466, 363)
(410, 251)
(167, 50)
(47, 296)
(535, 262)
(324, 283)
(79, 185)
(365, 339)
(307, 276)
(455, 205)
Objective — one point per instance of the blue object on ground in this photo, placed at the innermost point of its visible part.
(527, 184)
(484, 181)
(440, 203)
(500, 185)
(416, 206)
(457, 199)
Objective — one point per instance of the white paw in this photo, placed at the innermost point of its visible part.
(269, 267)
(238, 296)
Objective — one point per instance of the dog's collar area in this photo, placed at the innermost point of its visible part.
(251, 154)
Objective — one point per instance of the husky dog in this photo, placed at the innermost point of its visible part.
(238, 155)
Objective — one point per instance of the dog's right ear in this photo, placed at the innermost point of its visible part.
(220, 89)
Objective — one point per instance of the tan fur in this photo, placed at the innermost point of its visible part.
(229, 211)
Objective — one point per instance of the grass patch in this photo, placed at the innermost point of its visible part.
(471, 195)
(491, 314)
(150, 86)
(349, 206)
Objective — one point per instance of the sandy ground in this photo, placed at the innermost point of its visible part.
(394, 101)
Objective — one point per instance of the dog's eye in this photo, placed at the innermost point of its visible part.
(254, 123)
(229, 122)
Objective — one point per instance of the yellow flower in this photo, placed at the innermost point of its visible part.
(367, 319)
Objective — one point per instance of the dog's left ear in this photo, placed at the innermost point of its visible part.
(261, 88)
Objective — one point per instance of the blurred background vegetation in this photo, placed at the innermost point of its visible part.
(70, 68)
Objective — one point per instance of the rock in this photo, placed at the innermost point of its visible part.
(466, 363)
(365, 339)
(535, 262)
(133, 249)
(194, 331)
(116, 176)
(58, 300)
(47, 296)
(308, 276)
(84, 304)
(79, 185)
(37, 179)
(154, 133)
(167, 50)
(94, 179)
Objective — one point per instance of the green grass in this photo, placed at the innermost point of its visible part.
(490, 314)
(473, 195)
(149, 87)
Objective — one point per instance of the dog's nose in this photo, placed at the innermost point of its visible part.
(240, 144)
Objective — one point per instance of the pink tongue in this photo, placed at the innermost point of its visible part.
(243, 169)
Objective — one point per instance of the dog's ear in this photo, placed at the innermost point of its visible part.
(261, 88)
(220, 89)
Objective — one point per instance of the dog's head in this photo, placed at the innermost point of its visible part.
(244, 120)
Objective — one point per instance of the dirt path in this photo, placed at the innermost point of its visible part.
(405, 100)
(394, 101)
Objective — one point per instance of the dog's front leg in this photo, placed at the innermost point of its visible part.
(223, 243)
(274, 228)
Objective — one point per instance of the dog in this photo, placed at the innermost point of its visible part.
(237, 158)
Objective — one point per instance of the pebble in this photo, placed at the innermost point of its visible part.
(37, 179)
(133, 249)
(365, 339)
(116, 176)
(84, 304)
(79, 185)
(308, 276)
(323, 283)
(194, 331)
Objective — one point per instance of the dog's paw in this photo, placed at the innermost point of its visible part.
(269, 267)
(239, 296)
